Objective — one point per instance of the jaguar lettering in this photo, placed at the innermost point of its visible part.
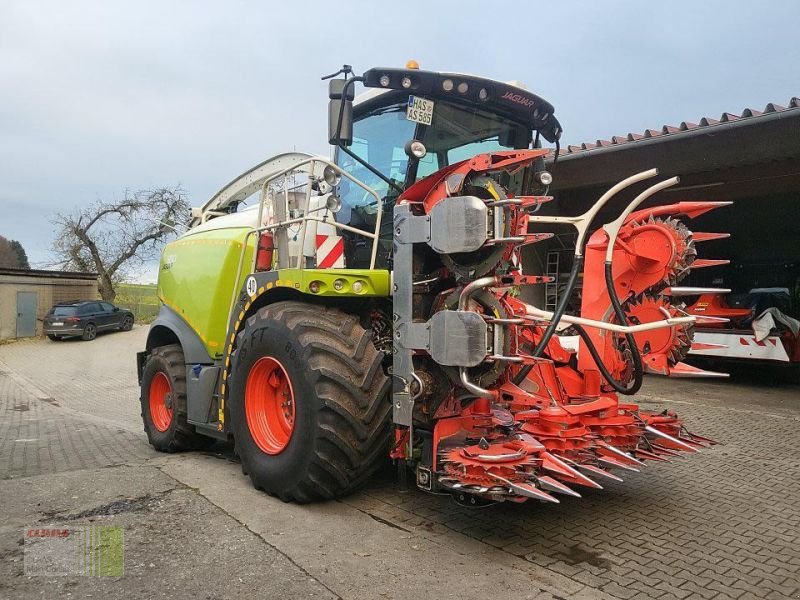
(517, 99)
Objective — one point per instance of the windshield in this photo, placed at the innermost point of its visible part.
(457, 132)
(378, 139)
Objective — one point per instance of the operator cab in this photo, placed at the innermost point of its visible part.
(449, 117)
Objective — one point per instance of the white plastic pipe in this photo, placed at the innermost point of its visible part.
(544, 315)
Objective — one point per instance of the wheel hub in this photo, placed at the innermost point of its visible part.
(160, 398)
(269, 405)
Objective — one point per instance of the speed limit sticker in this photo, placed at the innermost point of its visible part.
(419, 110)
(251, 286)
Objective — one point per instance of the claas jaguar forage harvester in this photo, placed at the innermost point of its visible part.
(327, 314)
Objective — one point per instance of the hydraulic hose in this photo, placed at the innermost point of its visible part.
(598, 360)
(612, 230)
(588, 218)
(561, 308)
(638, 369)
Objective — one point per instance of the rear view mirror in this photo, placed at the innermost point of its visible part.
(340, 130)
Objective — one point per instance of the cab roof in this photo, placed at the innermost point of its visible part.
(502, 98)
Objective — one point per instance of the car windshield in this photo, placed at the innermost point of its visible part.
(457, 132)
(65, 311)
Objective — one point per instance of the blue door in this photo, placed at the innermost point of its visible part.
(27, 302)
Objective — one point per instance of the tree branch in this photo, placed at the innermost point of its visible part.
(114, 236)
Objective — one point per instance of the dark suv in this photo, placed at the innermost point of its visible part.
(85, 319)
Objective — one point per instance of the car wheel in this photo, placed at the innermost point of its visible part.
(89, 332)
(53, 338)
(127, 323)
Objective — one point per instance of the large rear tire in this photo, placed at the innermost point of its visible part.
(163, 400)
(309, 402)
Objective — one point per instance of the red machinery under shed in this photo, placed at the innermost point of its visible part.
(751, 159)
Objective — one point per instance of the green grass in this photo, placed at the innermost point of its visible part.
(141, 299)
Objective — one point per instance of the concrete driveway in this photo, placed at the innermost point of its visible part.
(721, 524)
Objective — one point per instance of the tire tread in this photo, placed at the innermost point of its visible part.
(184, 436)
(346, 372)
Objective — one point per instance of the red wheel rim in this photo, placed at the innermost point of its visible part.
(269, 405)
(161, 401)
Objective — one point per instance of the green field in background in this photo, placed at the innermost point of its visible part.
(141, 299)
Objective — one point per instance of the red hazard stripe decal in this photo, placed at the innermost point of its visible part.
(746, 342)
(333, 256)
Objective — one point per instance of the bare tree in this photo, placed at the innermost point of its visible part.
(112, 238)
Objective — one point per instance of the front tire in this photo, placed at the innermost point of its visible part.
(163, 401)
(127, 324)
(309, 402)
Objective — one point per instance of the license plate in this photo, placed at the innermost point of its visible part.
(419, 110)
(57, 323)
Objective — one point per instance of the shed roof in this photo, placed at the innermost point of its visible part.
(684, 126)
(732, 142)
(46, 274)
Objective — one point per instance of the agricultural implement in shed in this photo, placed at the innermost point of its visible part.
(369, 306)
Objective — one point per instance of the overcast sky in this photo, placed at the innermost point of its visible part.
(97, 97)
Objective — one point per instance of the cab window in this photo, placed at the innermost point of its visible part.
(466, 151)
(380, 140)
(428, 165)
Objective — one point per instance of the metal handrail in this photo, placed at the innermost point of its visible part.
(307, 216)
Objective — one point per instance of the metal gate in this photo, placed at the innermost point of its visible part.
(27, 303)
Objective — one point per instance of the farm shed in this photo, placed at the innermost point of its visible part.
(26, 295)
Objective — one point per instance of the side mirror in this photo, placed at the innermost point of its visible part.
(116, 309)
(340, 131)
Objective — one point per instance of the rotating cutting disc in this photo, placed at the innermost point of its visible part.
(664, 246)
(673, 343)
